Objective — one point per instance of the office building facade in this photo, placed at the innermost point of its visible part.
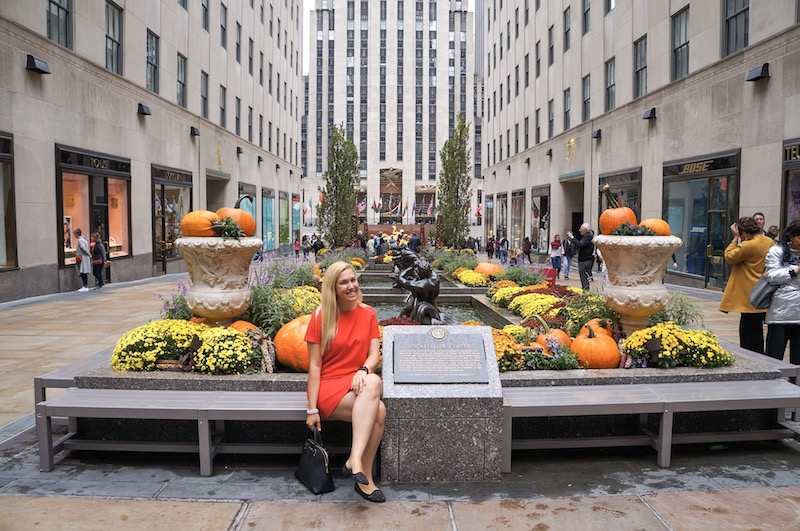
(120, 117)
(687, 109)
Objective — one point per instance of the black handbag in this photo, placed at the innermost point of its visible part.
(313, 470)
(761, 294)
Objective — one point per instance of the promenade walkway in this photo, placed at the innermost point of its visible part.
(735, 486)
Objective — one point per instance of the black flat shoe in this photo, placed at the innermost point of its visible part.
(376, 496)
(358, 477)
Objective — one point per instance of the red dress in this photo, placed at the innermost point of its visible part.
(347, 352)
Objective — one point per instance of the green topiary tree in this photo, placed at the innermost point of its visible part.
(453, 189)
(338, 203)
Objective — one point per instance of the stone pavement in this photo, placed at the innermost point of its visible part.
(734, 486)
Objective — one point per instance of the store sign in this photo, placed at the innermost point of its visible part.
(171, 175)
(701, 166)
(94, 162)
(791, 153)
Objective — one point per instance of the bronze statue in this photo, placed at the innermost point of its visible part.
(416, 275)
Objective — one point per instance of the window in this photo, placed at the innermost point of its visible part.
(238, 43)
(551, 46)
(611, 84)
(113, 38)
(177, 196)
(222, 118)
(250, 57)
(525, 127)
(567, 107)
(537, 131)
(92, 201)
(59, 22)
(204, 94)
(527, 69)
(223, 26)
(261, 130)
(680, 44)
(237, 118)
(551, 118)
(586, 19)
(566, 29)
(516, 80)
(537, 59)
(8, 243)
(269, 79)
(261, 69)
(737, 25)
(610, 4)
(640, 67)
(181, 78)
(586, 109)
(204, 6)
(249, 124)
(152, 62)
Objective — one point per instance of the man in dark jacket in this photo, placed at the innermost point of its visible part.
(585, 249)
(414, 242)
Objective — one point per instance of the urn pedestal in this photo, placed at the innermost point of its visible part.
(636, 267)
(219, 270)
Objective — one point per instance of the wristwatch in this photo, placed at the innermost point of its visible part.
(364, 368)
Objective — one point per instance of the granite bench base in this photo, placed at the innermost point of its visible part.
(448, 420)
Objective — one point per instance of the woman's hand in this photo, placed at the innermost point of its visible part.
(314, 421)
(359, 381)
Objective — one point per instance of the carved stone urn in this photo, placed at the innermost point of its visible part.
(219, 269)
(636, 266)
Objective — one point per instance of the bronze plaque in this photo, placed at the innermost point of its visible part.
(439, 356)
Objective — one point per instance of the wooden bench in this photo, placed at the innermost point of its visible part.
(203, 407)
(665, 399)
(64, 377)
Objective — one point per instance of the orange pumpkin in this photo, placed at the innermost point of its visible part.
(659, 226)
(490, 270)
(598, 326)
(242, 218)
(199, 223)
(615, 215)
(243, 326)
(548, 334)
(291, 349)
(596, 351)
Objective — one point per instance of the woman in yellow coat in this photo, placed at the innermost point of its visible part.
(746, 252)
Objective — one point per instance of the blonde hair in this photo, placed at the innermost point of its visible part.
(329, 305)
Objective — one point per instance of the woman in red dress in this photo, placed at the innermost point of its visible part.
(343, 351)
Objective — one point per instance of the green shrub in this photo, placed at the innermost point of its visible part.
(270, 309)
(282, 274)
(523, 276)
(679, 310)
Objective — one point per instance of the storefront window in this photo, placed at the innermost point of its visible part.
(247, 201)
(296, 206)
(625, 187)
(540, 210)
(94, 191)
(8, 233)
(283, 217)
(171, 203)
(75, 204)
(517, 219)
(268, 219)
(792, 200)
(489, 206)
(502, 215)
(700, 202)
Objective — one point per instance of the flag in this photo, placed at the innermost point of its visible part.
(430, 208)
(362, 206)
(414, 205)
(405, 207)
(321, 197)
(380, 207)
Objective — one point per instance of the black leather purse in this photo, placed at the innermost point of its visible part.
(313, 470)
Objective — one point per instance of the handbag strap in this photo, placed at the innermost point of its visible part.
(317, 435)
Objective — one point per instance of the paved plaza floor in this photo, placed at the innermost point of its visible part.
(733, 486)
